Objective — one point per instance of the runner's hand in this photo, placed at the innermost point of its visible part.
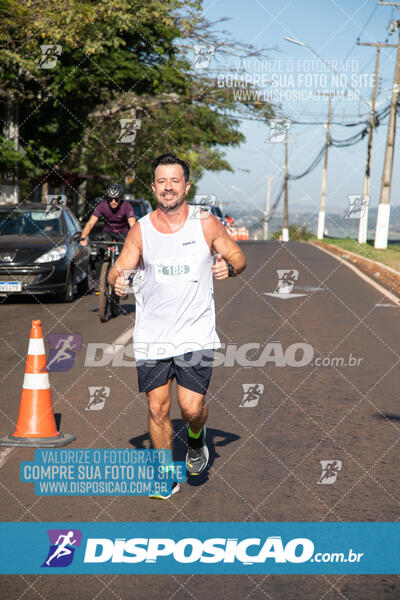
(220, 268)
(84, 242)
(120, 284)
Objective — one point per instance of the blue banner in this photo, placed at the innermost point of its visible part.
(203, 548)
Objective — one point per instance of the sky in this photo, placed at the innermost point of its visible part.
(331, 29)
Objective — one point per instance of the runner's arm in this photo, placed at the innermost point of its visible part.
(131, 221)
(217, 236)
(130, 254)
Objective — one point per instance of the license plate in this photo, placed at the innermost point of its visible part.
(10, 286)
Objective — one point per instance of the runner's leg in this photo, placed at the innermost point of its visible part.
(160, 426)
(194, 411)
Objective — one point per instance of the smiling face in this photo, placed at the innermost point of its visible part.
(170, 187)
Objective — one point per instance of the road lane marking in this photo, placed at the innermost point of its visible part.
(122, 339)
(4, 455)
(285, 296)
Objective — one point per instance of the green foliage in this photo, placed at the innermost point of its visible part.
(118, 56)
(295, 233)
(11, 158)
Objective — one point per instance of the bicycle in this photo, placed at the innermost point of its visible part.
(108, 299)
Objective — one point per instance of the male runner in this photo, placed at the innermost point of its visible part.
(174, 334)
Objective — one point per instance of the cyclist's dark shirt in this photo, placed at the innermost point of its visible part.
(115, 222)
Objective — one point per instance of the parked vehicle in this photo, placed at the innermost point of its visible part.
(213, 209)
(40, 252)
(140, 206)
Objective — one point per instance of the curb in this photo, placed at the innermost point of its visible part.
(378, 273)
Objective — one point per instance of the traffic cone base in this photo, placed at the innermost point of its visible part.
(36, 425)
(58, 441)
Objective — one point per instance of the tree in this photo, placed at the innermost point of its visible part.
(119, 58)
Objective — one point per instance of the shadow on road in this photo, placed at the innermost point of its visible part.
(387, 416)
(215, 439)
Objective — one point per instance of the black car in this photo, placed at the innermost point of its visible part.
(210, 208)
(140, 206)
(40, 252)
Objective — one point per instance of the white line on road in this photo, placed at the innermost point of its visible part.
(4, 454)
(122, 339)
(374, 284)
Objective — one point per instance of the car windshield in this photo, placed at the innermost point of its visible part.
(30, 222)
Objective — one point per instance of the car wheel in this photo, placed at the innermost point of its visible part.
(83, 286)
(68, 294)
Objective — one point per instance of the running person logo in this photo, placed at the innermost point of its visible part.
(329, 471)
(129, 129)
(62, 350)
(202, 205)
(358, 204)
(251, 394)
(50, 54)
(63, 543)
(54, 204)
(134, 279)
(278, 129)
(97, 397)
(286, 280)
(202, 55)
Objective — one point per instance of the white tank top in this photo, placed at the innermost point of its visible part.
(175, 310)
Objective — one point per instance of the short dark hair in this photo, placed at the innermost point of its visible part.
(170, 159)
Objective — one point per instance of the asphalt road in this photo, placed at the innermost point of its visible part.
(264, 459)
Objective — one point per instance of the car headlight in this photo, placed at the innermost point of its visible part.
(53, 255)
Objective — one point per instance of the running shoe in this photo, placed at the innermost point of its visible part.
(197, 455)
(174, 490)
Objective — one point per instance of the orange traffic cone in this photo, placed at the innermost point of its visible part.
(36, 426)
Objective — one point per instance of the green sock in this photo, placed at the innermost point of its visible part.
(194, 435)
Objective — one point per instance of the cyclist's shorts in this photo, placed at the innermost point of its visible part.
(192, 371)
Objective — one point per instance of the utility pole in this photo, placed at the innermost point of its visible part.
(285, 228)
(363, 225)
(382, 222)
(321, 216)
(267, 205)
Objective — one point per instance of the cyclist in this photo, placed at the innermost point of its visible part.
(119, 216)
(118, 213)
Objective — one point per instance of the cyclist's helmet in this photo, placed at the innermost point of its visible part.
(114, 192)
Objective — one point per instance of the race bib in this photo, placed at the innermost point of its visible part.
(174, 269)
